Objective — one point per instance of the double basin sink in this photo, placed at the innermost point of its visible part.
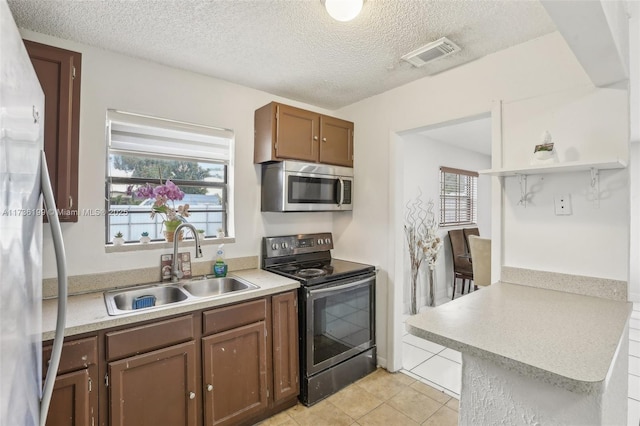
(156, 296)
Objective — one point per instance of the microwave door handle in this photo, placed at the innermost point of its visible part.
(341, 199)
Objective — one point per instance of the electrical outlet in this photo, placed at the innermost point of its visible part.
(562, 204)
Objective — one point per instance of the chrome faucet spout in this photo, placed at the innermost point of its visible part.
(176, 273)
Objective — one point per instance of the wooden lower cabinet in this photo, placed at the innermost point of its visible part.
(74, 401)
(70, 400)
(231, 365)
(284, 314)
(156, 388)
(235, 374)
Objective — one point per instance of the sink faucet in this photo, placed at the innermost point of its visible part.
(176, 273)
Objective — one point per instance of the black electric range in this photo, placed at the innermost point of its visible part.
(336, 311)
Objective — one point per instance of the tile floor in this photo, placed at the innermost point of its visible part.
(440, 367)
(381, 398)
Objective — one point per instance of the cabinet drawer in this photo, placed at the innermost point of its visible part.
(145, 338)
(234, 316)
(76, 355)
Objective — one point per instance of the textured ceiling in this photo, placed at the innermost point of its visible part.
(290, 48)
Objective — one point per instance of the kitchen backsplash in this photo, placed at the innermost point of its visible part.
(109, 280)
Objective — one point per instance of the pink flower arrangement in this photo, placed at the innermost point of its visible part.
(163, 194)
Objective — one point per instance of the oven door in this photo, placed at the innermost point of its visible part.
(340, 321)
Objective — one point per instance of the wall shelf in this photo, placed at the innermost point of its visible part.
(571, 166)
(567, 167)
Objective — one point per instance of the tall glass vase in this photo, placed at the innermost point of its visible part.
(432, 290)
(413, 305)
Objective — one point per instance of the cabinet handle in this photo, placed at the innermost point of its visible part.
(209, 387)
(192, 395)
(315, 138)
(324, 139)
(70, 201)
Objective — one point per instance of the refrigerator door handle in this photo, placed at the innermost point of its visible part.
(58, 245)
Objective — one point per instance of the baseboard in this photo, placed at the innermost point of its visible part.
(382, 362)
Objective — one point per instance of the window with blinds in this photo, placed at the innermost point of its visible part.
(149, 150)
(458, 196)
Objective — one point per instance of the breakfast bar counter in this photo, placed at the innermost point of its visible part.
(534, 355)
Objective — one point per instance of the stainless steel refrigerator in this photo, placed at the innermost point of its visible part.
(24, 183)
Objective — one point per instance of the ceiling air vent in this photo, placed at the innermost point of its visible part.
(432, 51)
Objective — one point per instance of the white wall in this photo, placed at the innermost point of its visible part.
(423, 158)
(111, 80)
(535, 69)
(587, 124)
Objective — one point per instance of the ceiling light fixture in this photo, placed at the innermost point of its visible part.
(343, 10)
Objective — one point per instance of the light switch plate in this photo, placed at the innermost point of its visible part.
(562, 204)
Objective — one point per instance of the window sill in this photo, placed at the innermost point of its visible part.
(157, 245)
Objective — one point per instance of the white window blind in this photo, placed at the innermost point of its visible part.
(458, 196)
(135, 134)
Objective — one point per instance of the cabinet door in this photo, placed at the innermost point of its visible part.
(59, 73)
(70, 400)
(75, 392)
(285, 346)
(336, 141)
(234, 374)
(296, 133)
(157, 388)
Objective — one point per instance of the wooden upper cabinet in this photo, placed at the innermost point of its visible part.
(283, 132)
(59, 72)
(336, 141)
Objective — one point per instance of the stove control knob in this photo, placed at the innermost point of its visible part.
(327, 241)
(319, 241)
(274, 246)
(284, 245)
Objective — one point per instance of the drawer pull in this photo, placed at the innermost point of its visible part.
(209, 387)
(192, 395)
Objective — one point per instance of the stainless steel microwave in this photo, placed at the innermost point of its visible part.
(294, 186)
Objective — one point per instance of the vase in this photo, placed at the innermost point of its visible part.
(170, 230)
(431, 298)
(171, 235)
(413, 305)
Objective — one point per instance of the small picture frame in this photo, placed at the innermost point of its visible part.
(548, 147)
(166, 261)
(544, 153)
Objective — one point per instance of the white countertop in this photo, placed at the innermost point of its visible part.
(88, 312)
(561, 338)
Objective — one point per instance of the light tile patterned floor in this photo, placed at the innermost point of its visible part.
(381, 398)
(440, 367)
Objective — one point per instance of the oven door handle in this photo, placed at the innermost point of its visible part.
(340, 287)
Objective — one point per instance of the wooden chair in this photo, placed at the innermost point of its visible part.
(470, 231)
(462, 267)
(481, 255)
